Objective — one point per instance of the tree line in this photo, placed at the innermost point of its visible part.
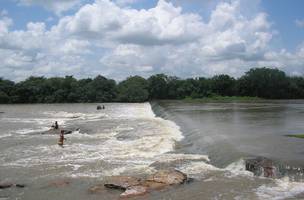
(264, 82)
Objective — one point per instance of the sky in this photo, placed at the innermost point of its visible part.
(121, 38)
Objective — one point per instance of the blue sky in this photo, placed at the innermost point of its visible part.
(283, 14)
(126, 37)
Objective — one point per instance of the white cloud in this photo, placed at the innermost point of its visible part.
(164, 24)
(58, 6)
(119, 41)
(126, 2)
(299, 23)
(3, 12)
(5, 23)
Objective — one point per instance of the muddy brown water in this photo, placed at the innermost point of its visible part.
(207, 141)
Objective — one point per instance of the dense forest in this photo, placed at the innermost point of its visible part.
(265, 83)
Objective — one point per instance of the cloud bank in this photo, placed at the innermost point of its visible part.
(108, 38)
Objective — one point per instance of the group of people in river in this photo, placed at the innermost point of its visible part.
(55, 126)
(99, 107)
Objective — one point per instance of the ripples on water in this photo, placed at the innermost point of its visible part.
(128, 139)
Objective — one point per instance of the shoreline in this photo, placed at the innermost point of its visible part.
(216, 99)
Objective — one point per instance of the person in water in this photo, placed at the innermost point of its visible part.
(55, 126)
(61, 138)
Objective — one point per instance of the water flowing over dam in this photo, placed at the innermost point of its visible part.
(210, 142)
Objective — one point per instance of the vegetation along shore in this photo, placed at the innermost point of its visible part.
(266, 83)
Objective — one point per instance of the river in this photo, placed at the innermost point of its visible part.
(207, 141)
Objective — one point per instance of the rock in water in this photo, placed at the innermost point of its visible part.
(168, 177)
(20, 185)
(134, 187)
(260, 166)
(6, 185)
(96, 189)
(134, 191)
(121, 182)
(152, 185)
(60, 183)
(9, 185)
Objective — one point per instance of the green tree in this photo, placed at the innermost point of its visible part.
(101, 89)
(296, 88)
(188, 88)
(173, 84)
(133, 89)
(158, 86)
(265, 83)
(6, 89)
(4, 98)
(223, 85)
(204, 87)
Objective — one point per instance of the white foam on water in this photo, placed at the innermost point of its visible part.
(169, 157)
(197, 168)
(31, 130)
(44, 124)
(280, 189)
(145, 139)
(150, 138)
(37, 121)
(238, 168)
(78, 134)
(75, 115)
(39, 124)
(138, 110)
(5, 135)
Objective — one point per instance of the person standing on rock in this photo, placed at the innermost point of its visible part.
(61, 138)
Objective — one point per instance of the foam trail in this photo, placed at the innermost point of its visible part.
(5, 135)
(238, 168)
(281, 189)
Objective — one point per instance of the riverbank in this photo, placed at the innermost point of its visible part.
(296, 136)
(224, 99)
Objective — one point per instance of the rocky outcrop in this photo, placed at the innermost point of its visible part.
(6, 185)
(60, 183)
(168, 177)
(134, 186)
(261, 166)
(121, 182)
(132, 191)
(96, 189)
(56, 132)
(9, 185)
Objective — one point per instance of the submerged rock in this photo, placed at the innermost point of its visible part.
(96, 189)
(134, 186)
(6, 185)
(121, 182)
(9, 185)
(261, 166)
(60, 183)
(20, 185)
(152, 185)
(56, 132)
(134, 191)
(169, 177)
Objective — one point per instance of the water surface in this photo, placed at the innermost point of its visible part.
(208, 141)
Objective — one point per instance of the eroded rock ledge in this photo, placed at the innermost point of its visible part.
(132, 186)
